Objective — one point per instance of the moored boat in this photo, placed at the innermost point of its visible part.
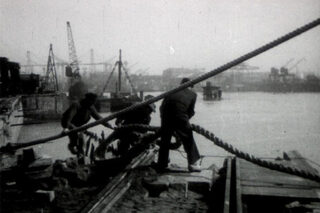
(11, 119)
(211, 92)
(119, 99)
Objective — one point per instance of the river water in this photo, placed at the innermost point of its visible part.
(262, 124)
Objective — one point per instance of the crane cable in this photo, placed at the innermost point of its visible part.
(109, 78)
(129, 79)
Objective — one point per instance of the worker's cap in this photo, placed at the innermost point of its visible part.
(152, 106)
(184, 80)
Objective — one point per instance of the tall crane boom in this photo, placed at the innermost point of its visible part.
(288, 62)
(74, 63)
(297, 63)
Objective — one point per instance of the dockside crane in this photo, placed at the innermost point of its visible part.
(297, 63)
(51, 80)
(72, 70)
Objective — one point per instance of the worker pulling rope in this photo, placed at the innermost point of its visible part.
(228, 147)
(209, 135)
(201, 78)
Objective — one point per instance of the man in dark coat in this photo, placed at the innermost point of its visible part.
(78, 114)
(141, 115)
(175, 111)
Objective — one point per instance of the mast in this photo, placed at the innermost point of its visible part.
(119, 70)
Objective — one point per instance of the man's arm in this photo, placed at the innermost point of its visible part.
(192, 106)
(97, 116)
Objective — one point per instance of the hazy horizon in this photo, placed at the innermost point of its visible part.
(161, 34)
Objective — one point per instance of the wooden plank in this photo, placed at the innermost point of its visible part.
(256, 180)
(115, 196)
(256, 173)
(273, 184)
(108, 195)
(238, 186)
(227, 193)
(279, 180)
(279, 192)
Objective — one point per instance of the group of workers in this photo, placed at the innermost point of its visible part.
(175, 111)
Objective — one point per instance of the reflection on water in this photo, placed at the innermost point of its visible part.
(263, 124)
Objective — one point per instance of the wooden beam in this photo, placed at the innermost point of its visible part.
(238, 186)
(118, 186)
(227, 191)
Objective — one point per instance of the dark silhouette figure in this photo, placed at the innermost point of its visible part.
(78, 114)
(141, 115)
(175, 111)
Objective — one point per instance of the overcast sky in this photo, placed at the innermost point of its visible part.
(161, 33)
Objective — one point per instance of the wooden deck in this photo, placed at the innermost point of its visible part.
(246, 188)
(258, 181)
(252, 188)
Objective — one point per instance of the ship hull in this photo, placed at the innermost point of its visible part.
(11, 120)
(44, 106)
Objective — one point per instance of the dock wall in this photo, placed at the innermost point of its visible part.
(44, 106)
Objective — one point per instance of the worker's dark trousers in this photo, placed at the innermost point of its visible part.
(184, 131)
(76, 144)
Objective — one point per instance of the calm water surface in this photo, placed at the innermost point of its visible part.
(262, 124)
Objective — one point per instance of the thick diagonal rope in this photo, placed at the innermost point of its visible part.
(203, 77)
(267, 164)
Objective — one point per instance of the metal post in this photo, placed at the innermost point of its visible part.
(119, 67)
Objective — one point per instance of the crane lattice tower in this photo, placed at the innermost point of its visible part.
(51, 83)
(74, 63)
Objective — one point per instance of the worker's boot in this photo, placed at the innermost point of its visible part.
(195, 167)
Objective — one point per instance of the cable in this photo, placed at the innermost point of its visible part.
(203, 77)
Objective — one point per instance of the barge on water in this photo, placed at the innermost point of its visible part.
(38, 102)
(211, 92)
(11, 119)
(11, 110)
(118, 99)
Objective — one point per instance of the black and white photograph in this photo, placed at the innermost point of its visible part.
(159, 106)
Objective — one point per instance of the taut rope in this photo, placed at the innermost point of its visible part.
(229, 148)
(267, 164)
(203, 77)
